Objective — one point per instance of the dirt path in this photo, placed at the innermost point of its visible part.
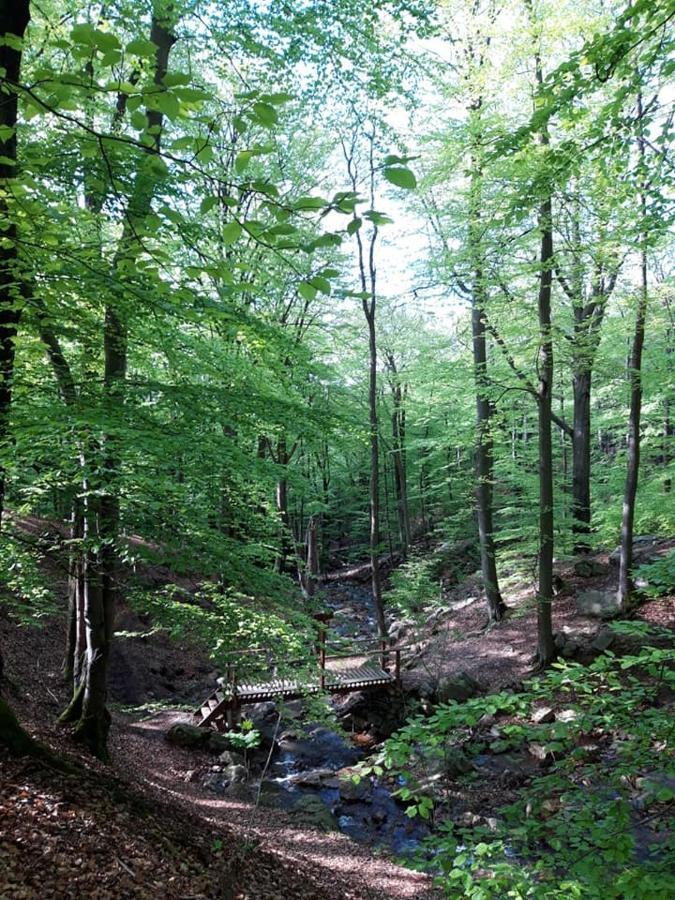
(318, 864)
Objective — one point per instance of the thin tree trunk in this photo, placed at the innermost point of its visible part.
(545, 645)
(626, 586)
(484, 407)
(581, 458)
(374, 484)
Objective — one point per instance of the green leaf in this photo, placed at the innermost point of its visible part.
(377, 218)
(242, 160)
(306, 290)
(265, 113)
(321, 284)
(168, 104)
(354, 226)
(400, 176)
(310, 203)
(83, 33)
(105, 41)
(138, 120)
(277, 99)
(141, 47)
(231, 233)
(207, 204)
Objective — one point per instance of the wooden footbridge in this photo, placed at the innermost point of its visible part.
(361, 670)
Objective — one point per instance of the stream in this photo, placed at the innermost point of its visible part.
(302, 776)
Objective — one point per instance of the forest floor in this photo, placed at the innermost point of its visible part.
(145, 827)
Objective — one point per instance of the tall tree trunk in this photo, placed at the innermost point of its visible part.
(581, 457)
(14, 18)
(103, 513)
(626, 586)
(374, 484)
(368, 279)
(484, 407)
(545, 644)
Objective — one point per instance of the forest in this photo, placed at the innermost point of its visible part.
(337, 448)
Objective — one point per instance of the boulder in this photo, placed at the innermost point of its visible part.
(273, 795)
(603, 640)
(645, 549)
(570, 649)
(236, 774)
(216, 742)
(183, 735)
(229, 758)
(314, 778)
(590, 568)
(311, 811)
(601, 604)
(216, 782)
(455, 762)
(459, 687)
(354, 792)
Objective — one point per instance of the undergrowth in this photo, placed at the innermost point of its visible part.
(594, 819)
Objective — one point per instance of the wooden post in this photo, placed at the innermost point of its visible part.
(322, 656)
(383, 654)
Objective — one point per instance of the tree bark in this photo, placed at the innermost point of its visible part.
(102, 516)
(626, 586)
(581, 457)
(14, 19)
(374, 484)
(545, 645)
(484, 406)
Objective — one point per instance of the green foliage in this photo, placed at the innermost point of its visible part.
(658, 576)
(247, 738)
(413, 587)
(24, 586)
(224, 621)
(578, 828)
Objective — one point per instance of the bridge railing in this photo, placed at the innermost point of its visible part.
(381, 649)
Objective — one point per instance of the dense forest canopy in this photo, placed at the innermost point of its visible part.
(293, 286)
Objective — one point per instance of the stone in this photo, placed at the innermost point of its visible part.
(590, 568)
(236, 774)
(217, 742)
(570, 649)
(457, 687)
(540, 752)
(455, 762)
(566, 715)
(603, 640)
(378, 816)
(273, 795)
(644, 551)
(229, 758)
(543, 715)
(313, 778)
(183, 735)
(216, 782)
(311, 811)
(354, 792)
(601, 604)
